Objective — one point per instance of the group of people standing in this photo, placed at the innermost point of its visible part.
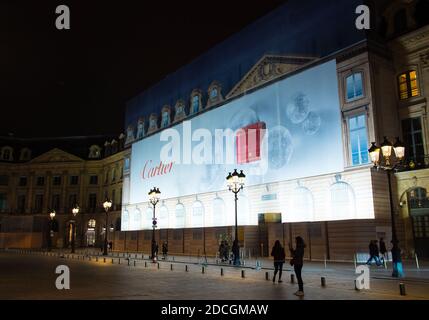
(225, 254)
(297, 261)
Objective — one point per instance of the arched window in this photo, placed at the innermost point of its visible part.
(180, 216)
(140, 128)
(25, 154)
(125, 220)
(7, 154)
(165, 116)
(137, 220)
(219, 212)
(342, 201)
(243, 210)
(147, 221)
(301, 205)
(197, 214)
(163, 218)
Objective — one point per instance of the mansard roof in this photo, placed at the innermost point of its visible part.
(311, 28)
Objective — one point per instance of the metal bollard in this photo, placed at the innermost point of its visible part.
(104, 260)
(171, 267)
(186, 268)
(119, 262)
(203, 270)
(158, 265)
(292, 278)
(128, 261)
(402, 289)
(243, 274)
(145, 264)
(267, 276)
(112, 260)
(134, 263)
(323, 281)
(96, 259)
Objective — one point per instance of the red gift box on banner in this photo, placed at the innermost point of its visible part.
(248, 142)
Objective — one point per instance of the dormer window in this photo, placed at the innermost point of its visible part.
(153, 123)
(114, 145)
(140, 128)
(130, 134)
(94, 152)
(214, 93)
(25, 154)
(165, 117)
(408, 85)
(7, 154)
(180, 111)
(195, 101)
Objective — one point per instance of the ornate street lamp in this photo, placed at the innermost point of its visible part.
(154, 196)
(389, 163)
(51, 231)
(107, 204)
(75, 211)
(235, 183)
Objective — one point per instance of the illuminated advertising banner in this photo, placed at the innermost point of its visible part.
(288, 130)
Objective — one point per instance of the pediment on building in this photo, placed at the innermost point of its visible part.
(269, 67)
(56, 155)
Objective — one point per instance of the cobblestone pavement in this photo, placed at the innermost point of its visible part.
(26, 275)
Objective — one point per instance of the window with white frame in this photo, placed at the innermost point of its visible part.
(137, 219)
(163, 217)
(342, 201)
(358, 136)
(301, 205)
(197, 214)
(147, 221)
(354, 86)
(219, 212)
(413, 138)
(180, 215)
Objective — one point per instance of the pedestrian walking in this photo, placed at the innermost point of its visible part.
(236, 252)
(222, 251)
(164, 250)
(278, 252)
(383, 250)
(396, 260)
(373, 253)
(297, 262)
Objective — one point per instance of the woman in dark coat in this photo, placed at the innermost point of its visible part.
(236, 252)
(298, 262)
(278, 252)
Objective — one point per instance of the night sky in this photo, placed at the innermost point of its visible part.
(76, 82)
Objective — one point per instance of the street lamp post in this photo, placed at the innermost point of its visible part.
(106, 205)
(154, 196)
(51, 231)
(75, 211)
(235, 182)
(390, 163)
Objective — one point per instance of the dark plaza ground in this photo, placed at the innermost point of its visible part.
(32, 276)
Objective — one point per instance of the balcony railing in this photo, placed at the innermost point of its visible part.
(416, 163)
